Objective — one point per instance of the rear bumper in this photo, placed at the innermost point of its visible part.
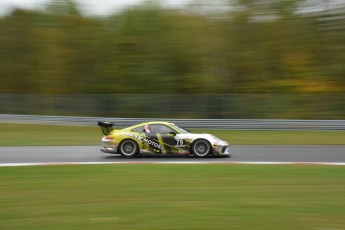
(109, 150)
(108, 146)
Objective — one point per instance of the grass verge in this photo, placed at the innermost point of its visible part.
(172, 197)
(31, 135)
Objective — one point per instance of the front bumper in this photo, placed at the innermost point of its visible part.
(222, 150)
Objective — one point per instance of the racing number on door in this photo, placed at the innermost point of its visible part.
(180, 143)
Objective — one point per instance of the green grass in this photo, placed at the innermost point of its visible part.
(172, 197)
(28, 135)
(31, 135)
(268, 137)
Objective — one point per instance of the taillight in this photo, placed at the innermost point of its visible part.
(109, 137)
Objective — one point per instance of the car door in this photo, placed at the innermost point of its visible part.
(166, 137)
(148, 140)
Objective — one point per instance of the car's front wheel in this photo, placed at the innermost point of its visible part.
(129, 148)
(201, 148)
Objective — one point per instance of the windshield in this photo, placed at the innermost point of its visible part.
(181, 130)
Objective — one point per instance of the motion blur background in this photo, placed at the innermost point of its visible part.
(181, 59)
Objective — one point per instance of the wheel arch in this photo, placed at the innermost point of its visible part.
(200, 139)
(128, 139)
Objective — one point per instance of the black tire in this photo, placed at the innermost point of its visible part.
(129, 148)
(201, 148)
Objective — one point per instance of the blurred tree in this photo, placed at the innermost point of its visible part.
(256, 46)
(17, 48)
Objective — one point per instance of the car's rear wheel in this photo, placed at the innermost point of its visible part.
(129, 148)
(201, 148)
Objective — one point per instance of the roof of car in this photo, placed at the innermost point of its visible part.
(155, 122)
(151, 123)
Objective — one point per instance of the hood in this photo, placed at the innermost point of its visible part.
(212, 139)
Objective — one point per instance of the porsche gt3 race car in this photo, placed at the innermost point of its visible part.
(160, 138)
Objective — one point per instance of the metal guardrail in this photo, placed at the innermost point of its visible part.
(221, 124)
(201, 106)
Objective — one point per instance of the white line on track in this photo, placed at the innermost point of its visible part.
(174, 162)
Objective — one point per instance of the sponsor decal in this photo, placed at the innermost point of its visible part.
(146, 140)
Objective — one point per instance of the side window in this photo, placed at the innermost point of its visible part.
(163, 129)
(139, 129)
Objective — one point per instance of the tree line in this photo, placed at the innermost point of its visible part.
(257, 47)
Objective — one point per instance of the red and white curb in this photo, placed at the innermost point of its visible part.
(174, 162)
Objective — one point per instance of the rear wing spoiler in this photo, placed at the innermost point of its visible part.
(106, 127)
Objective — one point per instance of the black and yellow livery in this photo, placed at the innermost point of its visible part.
(160, 138)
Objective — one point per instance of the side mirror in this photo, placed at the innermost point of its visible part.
(173, 133)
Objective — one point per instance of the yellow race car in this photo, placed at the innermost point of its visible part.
(160, 138)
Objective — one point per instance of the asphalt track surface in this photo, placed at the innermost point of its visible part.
(240, 153)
